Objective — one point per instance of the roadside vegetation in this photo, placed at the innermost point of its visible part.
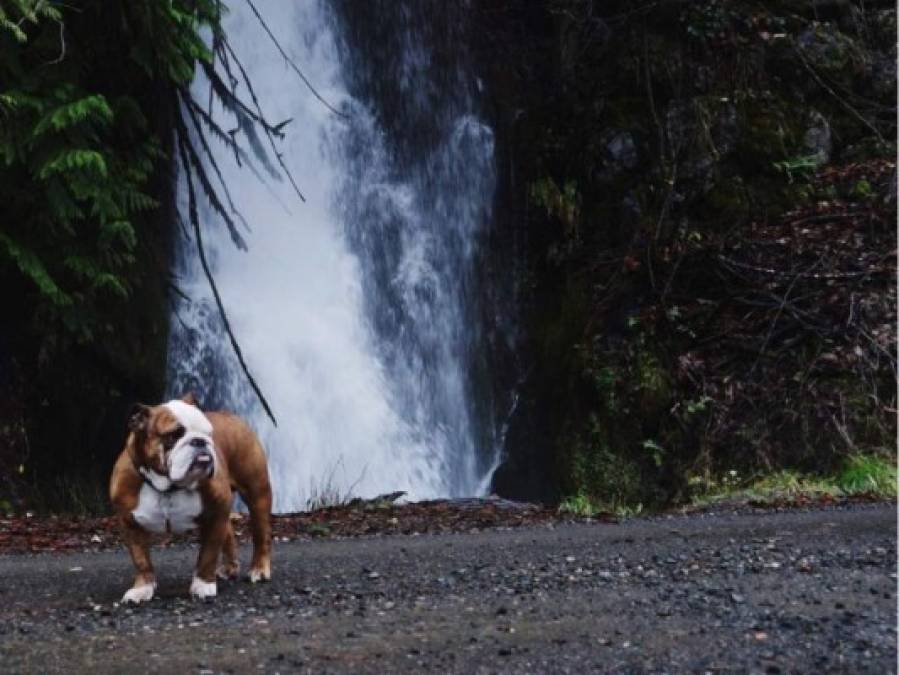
(868, 477)
(710, 221)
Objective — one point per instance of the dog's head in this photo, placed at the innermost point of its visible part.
(174, 441)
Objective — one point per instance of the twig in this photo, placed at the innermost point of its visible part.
(269, 131)
(293, 65)
(840, 99)
(808, 275)
(62, 44)
(826, 217)
(214, 201)
(210, 157)
(195, 221)
(776, 318)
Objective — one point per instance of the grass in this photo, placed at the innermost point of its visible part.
(588, 507)
(860, 475)
(868, 473)
(327, 492)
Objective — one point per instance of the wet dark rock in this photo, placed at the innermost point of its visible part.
(701, 132)
(817, 137)
(619, 154)
(828, 49)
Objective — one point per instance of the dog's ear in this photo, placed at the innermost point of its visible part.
(140, 415)
(190, 399)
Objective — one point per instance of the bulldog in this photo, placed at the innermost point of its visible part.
(176, 473)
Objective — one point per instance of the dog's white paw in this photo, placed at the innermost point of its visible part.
(202, 590)
(138, 594)
(257, 575)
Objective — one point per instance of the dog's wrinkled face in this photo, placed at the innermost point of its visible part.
(174, 440)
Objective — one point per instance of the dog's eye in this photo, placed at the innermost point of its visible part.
(169, 439)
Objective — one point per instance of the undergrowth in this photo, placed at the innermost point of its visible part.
(75, 496)
(860, 474)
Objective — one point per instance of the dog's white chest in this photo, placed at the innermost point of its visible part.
(167, 511)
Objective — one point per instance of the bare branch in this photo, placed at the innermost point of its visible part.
(210, 157)
(269, 131)
(292, 64)
(183, 144)
(62, 44)
(208, 188)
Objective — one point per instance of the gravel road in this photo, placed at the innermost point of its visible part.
(781, 592)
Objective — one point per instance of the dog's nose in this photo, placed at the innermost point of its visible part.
(198, 443)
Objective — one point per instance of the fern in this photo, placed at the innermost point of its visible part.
(88, 110)
(74, 160)
(31, 266)
(77, 153)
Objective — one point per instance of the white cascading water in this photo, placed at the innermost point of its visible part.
(356, 310)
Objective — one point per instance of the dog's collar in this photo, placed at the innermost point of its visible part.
(157, 481)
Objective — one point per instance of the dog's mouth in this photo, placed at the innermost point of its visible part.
(202, 462)
(192, 460)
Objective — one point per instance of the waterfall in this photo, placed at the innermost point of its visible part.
(360, 312)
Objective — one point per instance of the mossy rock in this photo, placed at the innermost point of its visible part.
(831, 52)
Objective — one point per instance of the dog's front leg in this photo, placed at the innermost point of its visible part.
(137, 540)
(213, 532)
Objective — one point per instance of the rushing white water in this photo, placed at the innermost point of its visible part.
(357, 309)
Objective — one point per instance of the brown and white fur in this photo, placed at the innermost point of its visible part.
(177, 472)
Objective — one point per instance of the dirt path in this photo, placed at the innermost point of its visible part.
(802, 591)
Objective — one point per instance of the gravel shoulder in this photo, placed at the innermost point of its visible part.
(797, 591)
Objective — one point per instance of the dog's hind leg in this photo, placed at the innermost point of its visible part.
(230, 564)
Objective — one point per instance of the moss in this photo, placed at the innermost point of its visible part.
(770, 130)
(831, 52)
(599, 471)
(862, 190)
(653, 383)
(562, 325)
(615, 459)
(728, 200)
